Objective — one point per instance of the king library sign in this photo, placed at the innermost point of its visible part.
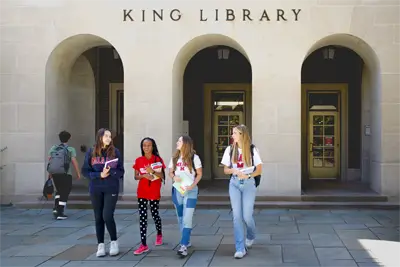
(246, 15)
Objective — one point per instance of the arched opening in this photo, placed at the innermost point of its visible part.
(340, 110)
(84, 92)
(215, 84)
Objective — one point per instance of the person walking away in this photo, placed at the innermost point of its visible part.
(103, 165)
(242, 187)
(59, 168)
(186, 163)
(149, 171)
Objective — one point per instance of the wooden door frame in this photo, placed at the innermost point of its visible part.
(343, 115)
(112, 98)
(209, 88)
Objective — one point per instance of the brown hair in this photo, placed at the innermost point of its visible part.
(245, 143)
(98, 147)
(186, 152)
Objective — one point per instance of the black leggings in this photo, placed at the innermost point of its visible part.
(104, 207)
(154, 204)
(63, 185)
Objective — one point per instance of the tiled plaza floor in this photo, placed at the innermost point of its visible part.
(285, 238)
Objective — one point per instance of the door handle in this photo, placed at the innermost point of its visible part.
(312, 147)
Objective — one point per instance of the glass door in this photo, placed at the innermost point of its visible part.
(324, 145)
(224, 122)
(228, 111)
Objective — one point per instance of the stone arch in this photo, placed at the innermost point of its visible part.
(371, 102)
(182, 58)
(70, 91)
(189, 51)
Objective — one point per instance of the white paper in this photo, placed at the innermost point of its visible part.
(110, 161)
(247, 170)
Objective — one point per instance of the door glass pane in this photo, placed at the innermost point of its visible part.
(323, 101)
(318, 120)
(317, 162)
(317, 141)
(329, 130)
(317, 130)
(329, 163)
(228, 101)
(223, 130)
(317, 152)
(328, 152)
(329, 120)
(234, 120)
(222, 120)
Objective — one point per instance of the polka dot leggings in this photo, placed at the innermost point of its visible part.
(154, 205)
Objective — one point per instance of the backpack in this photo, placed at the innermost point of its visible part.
(256, 178)
(194, 168)
(48, 188)
(60, 159)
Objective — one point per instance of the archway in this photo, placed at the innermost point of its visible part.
(84, 92)
(212, 75)
(340, 108)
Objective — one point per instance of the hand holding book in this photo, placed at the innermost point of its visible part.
(183, 183)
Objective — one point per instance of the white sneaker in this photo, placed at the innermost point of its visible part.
(114, 249)
(101, 250)
(239, 254)
(249, 243)
(182, 251)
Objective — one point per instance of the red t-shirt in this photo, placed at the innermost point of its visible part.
(148, 189)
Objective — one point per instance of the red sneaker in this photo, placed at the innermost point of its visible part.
(159, 240)
(142, 249)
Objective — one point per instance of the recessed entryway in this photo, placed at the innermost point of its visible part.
(216, 97)
(336, 120)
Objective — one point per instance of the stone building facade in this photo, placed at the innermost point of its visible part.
(317, 82)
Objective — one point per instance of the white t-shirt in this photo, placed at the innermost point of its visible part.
(182, 167)
(240, 164)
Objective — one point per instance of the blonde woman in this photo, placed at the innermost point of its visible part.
(186, 163)
(242, 186)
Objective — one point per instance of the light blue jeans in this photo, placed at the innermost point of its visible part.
(184, 206)
(242, 201)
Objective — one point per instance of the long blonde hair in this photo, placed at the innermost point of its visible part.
(186, 152)
(245, 143)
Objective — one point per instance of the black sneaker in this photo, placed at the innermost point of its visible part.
(182, 251)
(62, 216)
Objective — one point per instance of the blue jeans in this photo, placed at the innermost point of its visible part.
(242, 201)
(184, 206)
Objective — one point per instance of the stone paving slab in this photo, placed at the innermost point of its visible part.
(286, 237)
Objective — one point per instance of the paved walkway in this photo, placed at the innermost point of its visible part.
(286, 238)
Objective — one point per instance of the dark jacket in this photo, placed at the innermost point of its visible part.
(93, 166)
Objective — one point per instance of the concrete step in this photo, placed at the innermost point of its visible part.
(302, 198)
(204, 204)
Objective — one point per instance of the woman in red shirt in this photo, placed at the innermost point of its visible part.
(149, 171)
